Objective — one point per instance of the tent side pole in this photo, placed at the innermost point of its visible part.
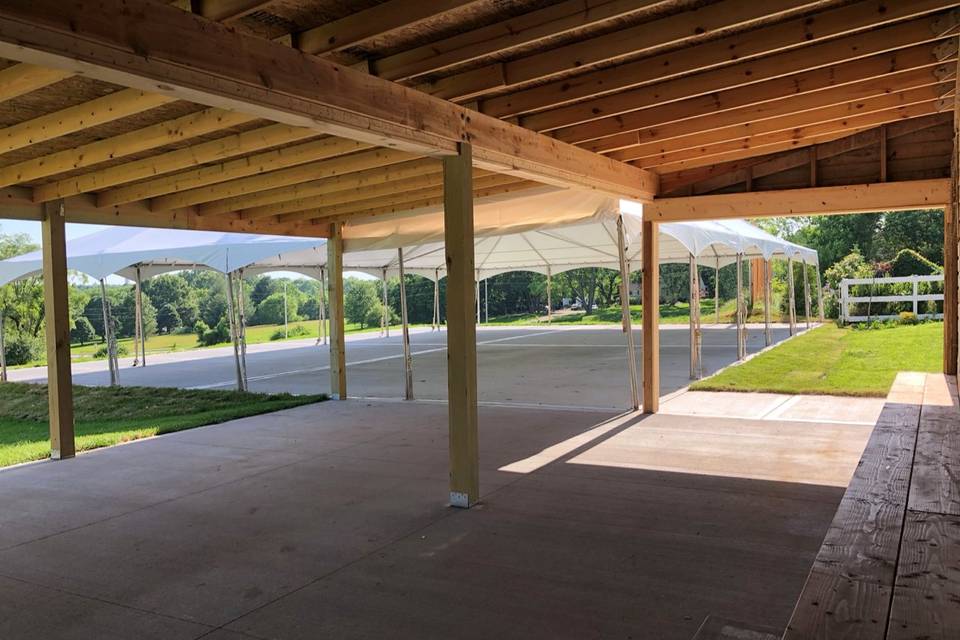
(716, 292)
(234, 337)
(791, 298)
(627, 320)
(476, 284)
(385, 316)
(242, 325)
(322, 308)
(436, 301)
(819, 292)
(107, 332)
(767, 302)
(141, 324)
(407, 358)
(56, 302)
(741, 339)
(806, 292)
(3, 348)
(549, 296)
(486, 301)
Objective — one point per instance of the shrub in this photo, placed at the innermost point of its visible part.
(21, 349)
(217, 335)
(296, 331)
(102, 351)
(82, 331)
(910, 263)
(908, 317)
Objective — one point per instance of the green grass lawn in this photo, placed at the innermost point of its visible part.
(837, 361)
(109, 415)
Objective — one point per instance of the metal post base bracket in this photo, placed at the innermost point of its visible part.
(460, 500)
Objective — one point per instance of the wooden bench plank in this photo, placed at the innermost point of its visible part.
(926, 599)
(935, 486)
(835, 607)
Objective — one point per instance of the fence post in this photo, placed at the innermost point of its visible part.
(915, 300)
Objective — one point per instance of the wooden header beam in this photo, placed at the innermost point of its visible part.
(163, 50)
(860, 198)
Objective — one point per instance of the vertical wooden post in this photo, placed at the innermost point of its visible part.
(338, 349)
(627, 320)
(806, 292)
(767, 302)
(950, 324)
(791, 298)
(407, 358)
(651, 317)
(461, 330)
(57, 313)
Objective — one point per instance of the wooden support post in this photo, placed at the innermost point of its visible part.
(651, 317)
(767, 301)
(950, 283)
(627, 320)
(234, 331)
(741, 329)
(57, 313)
(813, 166)
(338, 350)
(791, 298)
(407, 358)
(3, 347)
(806, 293)
(883, 153)
(461, 330)
(107, 332)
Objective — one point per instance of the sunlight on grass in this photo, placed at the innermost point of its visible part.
(110, 415)
(837, 361)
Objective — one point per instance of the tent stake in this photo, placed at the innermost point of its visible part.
(627, 320)
(407, 358)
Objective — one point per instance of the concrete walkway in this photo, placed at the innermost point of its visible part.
(774, 406)
(328, 521)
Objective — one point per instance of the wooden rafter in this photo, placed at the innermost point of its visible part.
(847, 81)
(279, 83)
(20, 79)
(762, 54)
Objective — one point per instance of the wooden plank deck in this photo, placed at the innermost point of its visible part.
(889, 567)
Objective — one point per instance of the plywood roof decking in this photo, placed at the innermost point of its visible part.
(675, 86)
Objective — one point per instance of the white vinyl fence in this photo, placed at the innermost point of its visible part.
(877, 286)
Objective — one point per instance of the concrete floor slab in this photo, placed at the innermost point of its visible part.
(329, 521)
(774, 406)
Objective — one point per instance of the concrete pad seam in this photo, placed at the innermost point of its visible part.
(778, 409)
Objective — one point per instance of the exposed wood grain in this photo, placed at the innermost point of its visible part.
(936, 472)
(839, 608)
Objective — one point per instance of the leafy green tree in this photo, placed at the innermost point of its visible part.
(263, 288)
(270, 310)
(360, 296)
(920, 231)
(168, 319)
(82, 331)
(126, 315)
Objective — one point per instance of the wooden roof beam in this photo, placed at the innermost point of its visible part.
(194, 59)
(655, 147)
(227, 10)
(780, 141)
(89, 114)
(770, 52)
(676, 30)
(501, 37)
(263, 203)
(20, 79)
(818, 87)
(213, 150)
(862, 198)
(367, 24)
(158, 135)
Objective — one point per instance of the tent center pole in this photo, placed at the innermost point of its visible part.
(716, 292)
(407, 358)
(107, 333)
(741, 334)
(234, 338)
(806, 293)
(627, 320)
(791, 298)
(767, 302)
